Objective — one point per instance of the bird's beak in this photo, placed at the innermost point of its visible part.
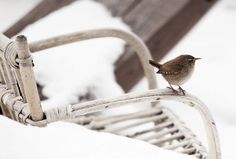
(197, 59)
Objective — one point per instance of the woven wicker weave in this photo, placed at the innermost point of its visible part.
(20, 99)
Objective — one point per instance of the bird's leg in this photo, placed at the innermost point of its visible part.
(175, 91)
(182, 90)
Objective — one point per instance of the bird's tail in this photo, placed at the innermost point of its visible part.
(155, 64)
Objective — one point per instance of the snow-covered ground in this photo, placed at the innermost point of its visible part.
(65, 140)
(69, 71)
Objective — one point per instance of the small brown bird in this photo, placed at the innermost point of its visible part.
(176, 71)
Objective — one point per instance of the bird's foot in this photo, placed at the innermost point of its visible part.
(182, 90)
(175, 91)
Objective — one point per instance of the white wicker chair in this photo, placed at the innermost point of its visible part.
(20, 100)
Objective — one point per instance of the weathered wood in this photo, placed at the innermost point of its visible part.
(161, 24)
(42, 9)
(120, 8)
(28, 79)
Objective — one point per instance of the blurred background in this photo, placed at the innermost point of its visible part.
(202, 28)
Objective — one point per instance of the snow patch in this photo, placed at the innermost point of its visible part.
(65, 140)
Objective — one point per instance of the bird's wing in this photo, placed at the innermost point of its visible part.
(171, 67)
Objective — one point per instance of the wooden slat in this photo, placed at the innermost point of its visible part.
(120, 8)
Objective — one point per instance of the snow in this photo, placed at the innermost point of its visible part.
(65, 140)
(76, 69)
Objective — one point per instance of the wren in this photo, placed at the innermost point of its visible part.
(176, 71)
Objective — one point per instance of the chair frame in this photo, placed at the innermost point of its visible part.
(20, 99)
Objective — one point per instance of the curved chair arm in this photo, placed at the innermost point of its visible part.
(131, 39)
(76, 110)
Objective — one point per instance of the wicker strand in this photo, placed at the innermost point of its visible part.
(56, 114)
(136, 123)
(115, 119)
(10, 55)
(159, 134)
(156, 128)
(12, 102)
(160, 141)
